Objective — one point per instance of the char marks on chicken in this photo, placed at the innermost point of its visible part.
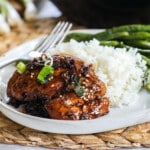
(72, 92)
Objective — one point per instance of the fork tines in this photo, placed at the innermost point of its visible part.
(56, 36)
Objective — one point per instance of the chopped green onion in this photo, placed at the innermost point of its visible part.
(79, 90)
(21, 67)
(45, 72)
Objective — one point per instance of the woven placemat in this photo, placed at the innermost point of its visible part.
(12, 133)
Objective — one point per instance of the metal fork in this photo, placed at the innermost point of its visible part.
(56, 36)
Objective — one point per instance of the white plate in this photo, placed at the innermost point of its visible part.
(116, 118)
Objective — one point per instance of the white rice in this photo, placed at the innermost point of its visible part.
(122, 71)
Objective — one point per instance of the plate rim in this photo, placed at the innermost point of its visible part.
(2, 106)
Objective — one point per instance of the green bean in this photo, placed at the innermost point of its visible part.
(109, 43)
(143, 44)
(125, 32)
(127, 36)
(146, 59)
(120, 44)
(145, 52)
(147, 80)
(127, 28)
(86, 37)
(116, 44)
(137, 36)
(78, 37)
(112, 36)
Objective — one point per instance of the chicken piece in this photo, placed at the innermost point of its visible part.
(25, 87)
(71, 107)
(73, 92)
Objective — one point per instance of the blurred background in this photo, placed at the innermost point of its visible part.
(89, 13)
(14, 13)
(105, 13)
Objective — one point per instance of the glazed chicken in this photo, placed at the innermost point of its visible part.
(72, 92)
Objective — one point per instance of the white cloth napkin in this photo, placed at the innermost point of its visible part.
(47, 9)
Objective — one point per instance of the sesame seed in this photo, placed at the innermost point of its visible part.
(83, 82)
(87, 80)
(86, 90)
(87, 75)
(89, 96)
(91, 91)
(52, 85)
(32, 74)
(51, 78)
